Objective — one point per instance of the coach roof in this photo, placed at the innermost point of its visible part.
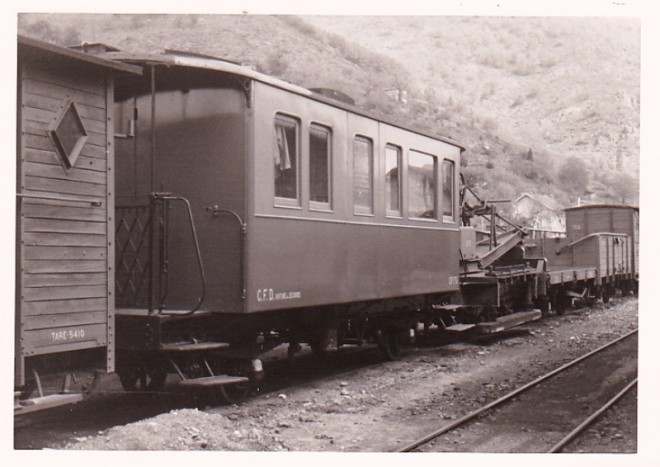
(187, 59)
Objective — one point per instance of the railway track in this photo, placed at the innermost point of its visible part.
(115, 407)
(112, 405)
(536, 408)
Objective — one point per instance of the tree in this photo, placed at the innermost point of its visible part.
(624, 187)
(573, 174)
(43, 30)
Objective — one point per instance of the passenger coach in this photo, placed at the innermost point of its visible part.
(331, 199)
(271, 201)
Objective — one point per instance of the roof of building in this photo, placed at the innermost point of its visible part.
(544, 201)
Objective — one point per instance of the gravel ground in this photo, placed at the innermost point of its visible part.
(613, 433)
(383, 406)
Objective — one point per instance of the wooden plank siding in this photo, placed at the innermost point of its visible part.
(43, 209)
(84, 162)
(63, 91)
(65, 187)
(63, 293)
(65, 306)
(38, 128)
(42, 142)
(62, 239)
(63, 320)
(64, 279)
(82, 175)
(53, 104)
(66, 253)
(63, 267)
(66, 228)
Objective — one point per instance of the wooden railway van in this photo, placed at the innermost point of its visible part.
(601, 243)
(65, 231)
(585, 220)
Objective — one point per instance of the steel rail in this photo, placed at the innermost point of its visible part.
(509, 396)
(588, 421)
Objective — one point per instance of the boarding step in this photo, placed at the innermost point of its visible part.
(459, 327)
(46, 402)
(194, 346)
(507, 322)
(209, 381)
(449, 308)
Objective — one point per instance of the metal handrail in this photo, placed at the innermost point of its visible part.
(200, 264)
(215, 210)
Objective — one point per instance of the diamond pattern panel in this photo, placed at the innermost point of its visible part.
(68, 134)
(132, 258)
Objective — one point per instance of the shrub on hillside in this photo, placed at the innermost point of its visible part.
(574, 175)
(42, 29)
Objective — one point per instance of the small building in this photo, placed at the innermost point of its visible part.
(538, 212)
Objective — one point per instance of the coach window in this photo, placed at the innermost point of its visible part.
(448, 190)
(320, 169)
(363, 158)
(421, 185)
(286, 160)
(392, 180)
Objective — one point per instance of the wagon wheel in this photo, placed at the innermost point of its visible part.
(232, 393)
(318, 348)
(235, 393)
(138, 378)
(543, 304)
(389, 343)
(562, 302)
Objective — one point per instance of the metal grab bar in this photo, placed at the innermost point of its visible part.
(170, 197)
(95, 203)
(215, 210)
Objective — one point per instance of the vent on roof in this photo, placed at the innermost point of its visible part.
(96, 48)
(334, 94)
(185, 53)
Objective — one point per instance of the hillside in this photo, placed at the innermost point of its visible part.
(521, 94)
(570, 84)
